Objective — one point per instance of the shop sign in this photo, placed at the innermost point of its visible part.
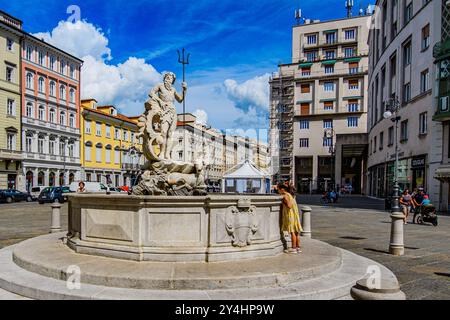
(418, 162)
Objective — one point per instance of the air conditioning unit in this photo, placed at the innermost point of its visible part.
(445, 103)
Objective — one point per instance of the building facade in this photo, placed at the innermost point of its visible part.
(51, 82)
(321, 94)
(441, 53)
(111, 153)
(402, 69)
(10, 102)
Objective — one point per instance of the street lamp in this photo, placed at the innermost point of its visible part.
(396, 246)
(329, 133)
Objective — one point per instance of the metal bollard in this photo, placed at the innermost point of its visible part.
(306, 222)
(56, 217)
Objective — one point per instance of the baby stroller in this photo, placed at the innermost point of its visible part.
(425, 214)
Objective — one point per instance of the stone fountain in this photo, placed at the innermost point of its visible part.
(171, 240)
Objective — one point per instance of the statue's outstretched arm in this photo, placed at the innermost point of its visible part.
(180, 98)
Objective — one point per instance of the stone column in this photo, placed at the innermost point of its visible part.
(306, 222)
(56, 218)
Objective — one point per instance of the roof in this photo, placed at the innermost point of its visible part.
(118, 117)
(246, 170)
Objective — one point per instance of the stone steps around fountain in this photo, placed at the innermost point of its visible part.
(334, 284)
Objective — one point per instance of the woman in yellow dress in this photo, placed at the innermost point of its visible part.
(290, 218)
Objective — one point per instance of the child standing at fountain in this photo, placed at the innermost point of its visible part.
(290, 218)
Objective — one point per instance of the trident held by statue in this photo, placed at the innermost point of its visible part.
(184, 60)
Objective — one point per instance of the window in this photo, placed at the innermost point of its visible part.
(62, 148)
(117, 134)
(98, 153)
(29, 81)
(41, 113)
(52, 115)
(72, 71)
(328, 105)
(304, 124)
(381, 141)
(72, 95)
(125, 135)
(62, 118)
(304, 109)
(350, 34)
(408, 12)
(404, 131)
(391, 136)
(407, 54)
(426, 37)
(29, 53)
(29, 143)
(11, 107)
(72, 120)
(116, 156)
(329, 69)
(305, 88)
(328, 124)
(330, 37)
(374, 144)
(349, 52)
(10, 74)
(98, 129)
(52, 89)
(353, 106)
(52, 63)
(306, 72)
(52, 149)
(108, 131)
(327, 142)
(41, 58)
(424, 81)
(41, 85)
(353, 84)
(108, 154)
(330, 54)
(353, 67)
(304, 143)
(311, 39)
(71, 148)
(328, 86)
(407, 92)
(41, 144)
(87, 126)
(132, 137)
(352, 122)
(11, 141)
(311, 56)
(88, 151)
(423, 124)
(9, 44)
(62, 92)
(62, 67)
(29, 110)
(180, 155)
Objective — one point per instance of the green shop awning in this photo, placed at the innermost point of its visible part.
(330, 31)
(352, 60)
(305, 65)
(328, 62)
(304, 101)
(353, 98)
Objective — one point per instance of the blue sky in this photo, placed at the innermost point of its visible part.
(234, 46)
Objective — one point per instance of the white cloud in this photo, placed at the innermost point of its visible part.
(202, 116)
(125, 85)
(252, 94)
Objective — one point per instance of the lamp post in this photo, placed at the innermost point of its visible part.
(329, 133)
(396, 246)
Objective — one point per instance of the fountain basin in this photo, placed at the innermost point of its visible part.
(175, 229)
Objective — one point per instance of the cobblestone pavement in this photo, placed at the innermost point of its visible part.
(360, 225)
(357, 224)
(21, 221)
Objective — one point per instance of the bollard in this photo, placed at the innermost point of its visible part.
(396, 246)
(306, 222)
(56, 217)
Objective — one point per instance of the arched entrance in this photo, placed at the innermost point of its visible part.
(29, 180)
(61, 179)
(51, 179)
(41, 179)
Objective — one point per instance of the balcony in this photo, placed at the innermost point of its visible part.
(51, 157)
(131, 167)
(330, 42)
(6, 154)
(50, 125)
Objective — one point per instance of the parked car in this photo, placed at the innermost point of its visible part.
(89, 186)
(13, 195)
(36, 191)
(51, 194)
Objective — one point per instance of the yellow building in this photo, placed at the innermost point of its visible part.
(110, 151)
(10, 102)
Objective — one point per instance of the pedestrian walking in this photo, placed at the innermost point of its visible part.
(406, 203)
(290, 218)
